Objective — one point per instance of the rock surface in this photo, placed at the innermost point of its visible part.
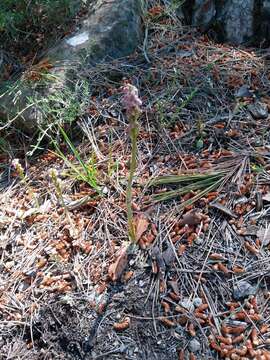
(258, 110)
(194, 346)
(187, 304)
(9, 65)
(235, 21)
(112, 30)
(242, 290)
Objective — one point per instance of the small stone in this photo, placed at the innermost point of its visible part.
(258, 110)
(187, 304)
(194, 346)
(197, 302)
(9, 264)
(168, 256)
(141, 283)
(179, 330)
(174, 285)
(199, 240)
(242, 290)
(118, 316)
(243, 91)
(184, 53)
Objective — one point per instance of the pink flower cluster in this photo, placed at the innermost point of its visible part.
(131, 101)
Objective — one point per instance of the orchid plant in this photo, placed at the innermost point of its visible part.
(132, 104)
(19, 169)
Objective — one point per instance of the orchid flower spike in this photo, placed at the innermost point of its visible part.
(131, 101)
(18, 167)
(15, 163)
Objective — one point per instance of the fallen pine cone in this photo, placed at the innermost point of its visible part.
(167, 322)
(215, 256)
(238, 339)
(223, 268)
(254, 337)
(237, 330)
(201, 308)
(191, 330)
(128, 275)
(181, 249)
(165, 306)
(251, 248)
(225, 340)
(181, 354)
(122, 325)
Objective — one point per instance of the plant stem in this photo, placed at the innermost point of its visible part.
(133, 164)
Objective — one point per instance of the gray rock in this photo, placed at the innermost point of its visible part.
(243, 91)
(263, 22)
(199, 240)
(238, 18)
(9, 65)
(168, 256)
(203, 13)
(197, 302)
(17, 109)
(266, 6)
(194, 346)
(258, 110)
(187, 304)
(235, 21)
(112, 30)
(242, 290)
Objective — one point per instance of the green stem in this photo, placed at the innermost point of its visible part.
(133, 165)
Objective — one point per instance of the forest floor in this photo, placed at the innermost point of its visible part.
(196, 285)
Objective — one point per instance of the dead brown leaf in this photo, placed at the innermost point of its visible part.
(141, 224)
(116, 269)
(193, 217)
(224, 209)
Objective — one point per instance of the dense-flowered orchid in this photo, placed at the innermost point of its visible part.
(131, 101)
(18, 168)
(132, 104)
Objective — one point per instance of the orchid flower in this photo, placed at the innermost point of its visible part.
(132, 104)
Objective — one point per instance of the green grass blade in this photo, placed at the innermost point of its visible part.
(177, 179)
(89, 175)
(206, 183)
(74, 150)
(201, 194)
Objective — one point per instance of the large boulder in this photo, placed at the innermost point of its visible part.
(9, 65)
(233, 21)
(112, 30)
